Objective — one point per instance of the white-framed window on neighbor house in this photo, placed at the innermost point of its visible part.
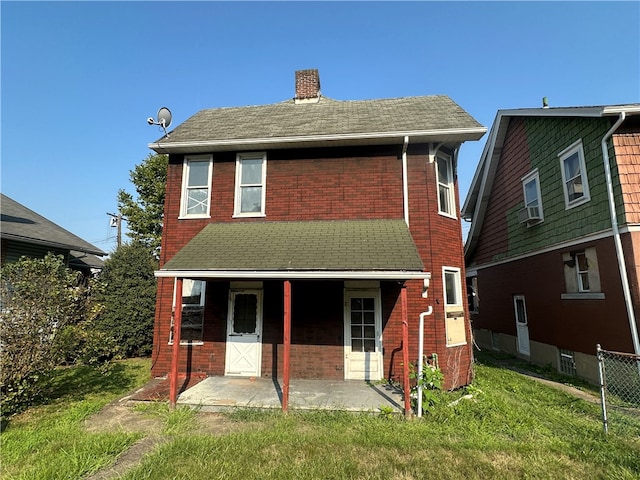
(446, 187)
(581, 275)
(193, 296)
(532, 197)
(196, 186)
(251, 176)
(453, 307)
(574, 175)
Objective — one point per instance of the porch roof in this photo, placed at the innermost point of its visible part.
(343, 249)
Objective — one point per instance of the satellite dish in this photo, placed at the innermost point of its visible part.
(163, 119)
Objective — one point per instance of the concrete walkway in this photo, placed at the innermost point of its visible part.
(215, 394)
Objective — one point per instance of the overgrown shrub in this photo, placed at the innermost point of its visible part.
(39, 299)
(128, 295)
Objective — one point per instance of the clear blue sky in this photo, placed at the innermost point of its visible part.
(79, 79)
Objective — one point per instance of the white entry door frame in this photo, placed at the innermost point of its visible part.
(522, 324)
(243, 356)
(363, 358)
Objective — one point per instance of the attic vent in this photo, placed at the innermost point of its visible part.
(529, 215)
(307, 86)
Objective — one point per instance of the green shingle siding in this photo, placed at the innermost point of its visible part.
(546, 138)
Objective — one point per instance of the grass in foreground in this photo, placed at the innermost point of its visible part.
(48, 442)
(516, 428)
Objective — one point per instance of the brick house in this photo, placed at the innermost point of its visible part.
(297, 231)
(552, 256)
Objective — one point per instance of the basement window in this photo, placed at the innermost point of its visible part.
(566, 363)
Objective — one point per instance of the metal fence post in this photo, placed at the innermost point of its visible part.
(603, 402)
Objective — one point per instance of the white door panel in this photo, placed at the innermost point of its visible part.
(244, 326)
(363, 335)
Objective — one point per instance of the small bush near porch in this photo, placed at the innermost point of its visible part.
(515, 428)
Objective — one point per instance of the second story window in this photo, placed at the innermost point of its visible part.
(251, 174)
(446, 190)
(574, 175)
(532, 198)
(196, 186)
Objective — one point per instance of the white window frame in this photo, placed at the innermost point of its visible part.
(202, 305)
(574, 148)
(458, 286)
(527, 179)
(237, 209)
(185, 187)
(449, 186)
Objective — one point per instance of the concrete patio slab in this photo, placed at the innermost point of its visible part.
(224, 393)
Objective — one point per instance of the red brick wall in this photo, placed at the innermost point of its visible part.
(627, 159)
(323, 184)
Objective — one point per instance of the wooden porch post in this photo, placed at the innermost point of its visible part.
(177, 328)
(405, 352)
(287, 345)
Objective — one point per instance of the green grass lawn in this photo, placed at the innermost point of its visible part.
(514, 428)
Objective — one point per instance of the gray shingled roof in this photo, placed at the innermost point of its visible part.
(288, 122)
(365, 245)
(19, 223)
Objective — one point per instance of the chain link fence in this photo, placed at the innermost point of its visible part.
(619, 383)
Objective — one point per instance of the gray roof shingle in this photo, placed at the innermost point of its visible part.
(344, 245)
(326, 118)
(19, 223)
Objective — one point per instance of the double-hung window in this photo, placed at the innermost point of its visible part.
(196, 186)
(446, 190)
(582, 275)
(251, 174)
(192, 311)
(453, 307)
(532, 198)
(574, 175)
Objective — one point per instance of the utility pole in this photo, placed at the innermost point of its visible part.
(116, 221)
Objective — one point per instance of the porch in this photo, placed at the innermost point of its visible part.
(215, 394)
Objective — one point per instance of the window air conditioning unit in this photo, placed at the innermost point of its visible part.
(529, 215)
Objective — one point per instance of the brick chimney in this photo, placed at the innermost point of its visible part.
(307, 86)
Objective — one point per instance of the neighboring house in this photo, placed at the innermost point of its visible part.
(552, 272)
(294, 229)
(25, 233)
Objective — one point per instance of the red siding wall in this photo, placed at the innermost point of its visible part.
(323, 184)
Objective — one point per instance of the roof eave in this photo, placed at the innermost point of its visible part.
(48, 243)
(456, 135)
(298, 274)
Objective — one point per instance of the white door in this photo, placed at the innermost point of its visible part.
(363, 335)
(244, 325)
(522, 325)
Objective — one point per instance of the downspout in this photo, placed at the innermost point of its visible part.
(421, 356)
(405, 180)
(616, 236)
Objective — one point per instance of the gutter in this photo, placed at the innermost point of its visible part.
(616, 235)
(294, 275)
(162, 145)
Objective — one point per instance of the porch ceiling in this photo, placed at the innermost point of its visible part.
(319, 249)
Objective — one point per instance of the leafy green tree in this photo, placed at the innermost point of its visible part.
(39, 299)
(128, 293)
(145, 214)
